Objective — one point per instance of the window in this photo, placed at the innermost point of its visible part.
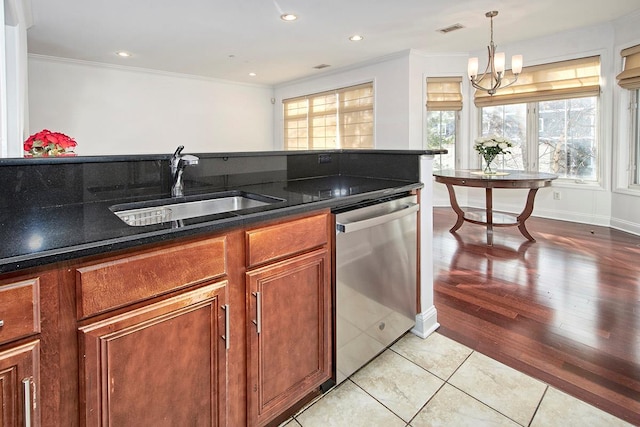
(567, 146)
(444, 101)
(509, 121)
(629, 78)
(341, 118)
(441, 133)
(550, 114)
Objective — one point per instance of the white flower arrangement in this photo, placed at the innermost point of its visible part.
(490, 146)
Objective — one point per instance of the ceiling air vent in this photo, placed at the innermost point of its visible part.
(453, 27)
(321, 66)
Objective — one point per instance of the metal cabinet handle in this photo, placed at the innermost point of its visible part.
(1, 323)
(258, 322)
(225, 337)
(26, 385)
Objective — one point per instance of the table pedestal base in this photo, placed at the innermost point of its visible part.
(488, 219)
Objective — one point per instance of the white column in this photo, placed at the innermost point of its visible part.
(427, 319)
(13, 77)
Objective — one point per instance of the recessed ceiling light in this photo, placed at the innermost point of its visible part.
(123, 54)
(252, 74)
(356, 38)
(288, 17)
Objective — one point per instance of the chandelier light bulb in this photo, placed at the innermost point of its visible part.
(499, 62)
(472, 67)
(516, 64)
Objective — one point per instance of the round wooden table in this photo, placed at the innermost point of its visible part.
(504, 179)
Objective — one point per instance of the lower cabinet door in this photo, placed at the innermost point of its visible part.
(160, 365)
(289, 338)
(19, 385)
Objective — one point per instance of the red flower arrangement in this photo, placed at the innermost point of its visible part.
(49, 144)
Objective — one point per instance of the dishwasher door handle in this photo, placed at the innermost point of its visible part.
(350, 227)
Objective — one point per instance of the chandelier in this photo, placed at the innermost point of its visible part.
(494, 73)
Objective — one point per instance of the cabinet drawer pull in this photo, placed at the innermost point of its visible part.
(1, 323)
(225, 337)
(26, 385)
(258, 322)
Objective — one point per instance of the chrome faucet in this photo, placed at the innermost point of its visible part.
(178, 163)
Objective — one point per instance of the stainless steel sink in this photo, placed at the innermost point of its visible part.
(166, 210)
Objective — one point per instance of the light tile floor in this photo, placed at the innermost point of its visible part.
(439, 382)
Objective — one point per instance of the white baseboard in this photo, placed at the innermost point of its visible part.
(426, 322)
(622, 225)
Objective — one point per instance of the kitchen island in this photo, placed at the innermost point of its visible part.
(89, 275)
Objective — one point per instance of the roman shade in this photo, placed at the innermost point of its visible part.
(340, 118)
(629, 78)
(574, 78)
(444, 94)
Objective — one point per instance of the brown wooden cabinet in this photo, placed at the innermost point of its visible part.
(163, 364)
(289, 315)
(154, 336)
(20, 361)
(19, 385)
(163, 335)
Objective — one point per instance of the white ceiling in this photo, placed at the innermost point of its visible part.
(228, 39)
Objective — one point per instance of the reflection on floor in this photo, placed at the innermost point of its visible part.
(438, 382)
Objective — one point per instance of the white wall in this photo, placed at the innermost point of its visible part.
(114, 110)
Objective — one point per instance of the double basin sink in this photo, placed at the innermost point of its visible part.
(159, 211)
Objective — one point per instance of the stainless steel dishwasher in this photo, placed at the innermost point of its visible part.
(376, 279)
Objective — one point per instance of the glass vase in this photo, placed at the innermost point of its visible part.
(489, 158)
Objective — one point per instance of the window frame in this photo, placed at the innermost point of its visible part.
(444, 94)
(536, 84)
(634, 140)
(626, 177)
(456, 137)
(530, 152)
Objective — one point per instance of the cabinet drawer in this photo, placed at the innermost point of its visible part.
(278, 241)
(19, 309)
(119, 282)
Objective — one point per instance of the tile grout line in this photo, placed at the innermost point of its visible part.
(479, 401)
(374, 398)
(427, 402)
(538, 406)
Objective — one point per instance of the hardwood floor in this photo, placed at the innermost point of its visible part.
(564, 309)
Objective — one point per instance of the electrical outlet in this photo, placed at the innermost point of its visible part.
(557, 195)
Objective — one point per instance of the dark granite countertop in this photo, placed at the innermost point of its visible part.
(36, 234)
(57, 233)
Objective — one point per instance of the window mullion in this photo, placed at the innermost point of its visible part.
(531, 160)
(457, 161)
(338, 121)
(309, 125)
